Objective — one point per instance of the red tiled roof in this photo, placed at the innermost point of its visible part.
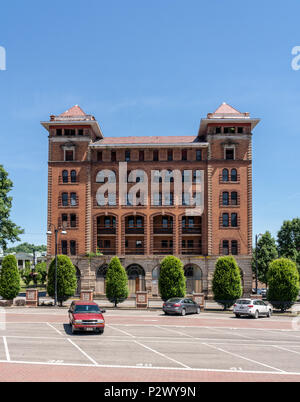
(148, 140)
(74, 111)
(226, 109)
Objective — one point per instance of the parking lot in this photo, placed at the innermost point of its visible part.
(37, 344)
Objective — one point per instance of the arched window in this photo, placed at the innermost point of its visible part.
(73, 176)
(225, 198)
(102, 271)
(233, 175)
(65, 176)
(225, 175)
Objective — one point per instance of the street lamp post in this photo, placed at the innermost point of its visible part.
(56, 230)
(256, 263)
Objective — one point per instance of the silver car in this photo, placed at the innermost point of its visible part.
(180, 306)
(252, 308)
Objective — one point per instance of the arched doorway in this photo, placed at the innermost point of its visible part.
(155, 278)
(136, 278)
(78, 277)
(100, 279)
(193, 275)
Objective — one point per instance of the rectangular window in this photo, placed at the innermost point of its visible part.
(73, 199)
(218, 130)
(64, 220)
(80, 131)
(225, 247)
(73, 247)
(73, 221)
(113, 156)
(190, 243)
(65, 199)
(170, 155)
(69, 155)
(229, 154)
(198, 155)
(240, 130)
(164, 244)
(225, 198)
(184, 155)
(225, 220)
(234, 220)
(234, 247)
(155, 155)
(59, 132)
(99, 156)
(64, 247)
(127, 156)
(141, 156)
(234, 198)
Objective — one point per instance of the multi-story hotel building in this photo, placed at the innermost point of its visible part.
(84, 165)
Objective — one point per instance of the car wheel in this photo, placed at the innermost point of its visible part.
(198, 310)
(73, 330)
(183, 311)
(166, 313)
(269, 313)
(237, 315)
(256, 314)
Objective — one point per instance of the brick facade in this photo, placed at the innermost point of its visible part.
(142, 235)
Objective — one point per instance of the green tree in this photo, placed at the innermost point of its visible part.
(283, 283)
(41, 269)
(116, 282)
(26, 248)
(66, 279)
(288, 240)
(9, 231)
(9, 278)
(266, 252)
(226, 284)
(26, 273)
(171, 281)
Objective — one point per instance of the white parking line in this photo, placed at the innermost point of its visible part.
(284, 373)
(242, 357)
(223, 331)
(285, 349)
(161, 354)
(6, 349)
(55, 329)
(83, 352)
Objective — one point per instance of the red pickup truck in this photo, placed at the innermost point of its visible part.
(86, 316)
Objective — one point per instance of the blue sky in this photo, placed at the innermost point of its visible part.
(150, 68)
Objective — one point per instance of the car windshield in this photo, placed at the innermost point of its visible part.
(174, 299)
(88, 308)
(243, 301)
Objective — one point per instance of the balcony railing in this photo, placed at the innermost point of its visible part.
(135, 251)
(108, 251)
(163, 251)
(135, 229)
(192, 229)
(163, 229)
(191, 251)
(105, 229)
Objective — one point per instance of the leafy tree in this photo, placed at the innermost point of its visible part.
(9, 278)
(266, 252)
(171, 281)
(288, 240)
(226, 284)
(283, 283)
(26, 273)
(116, 282)
(41, 269)
(9, 231)
(26, 248)
(66, 279)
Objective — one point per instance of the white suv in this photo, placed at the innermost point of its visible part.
(251, 307)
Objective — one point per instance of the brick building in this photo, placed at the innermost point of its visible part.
(82, 162)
